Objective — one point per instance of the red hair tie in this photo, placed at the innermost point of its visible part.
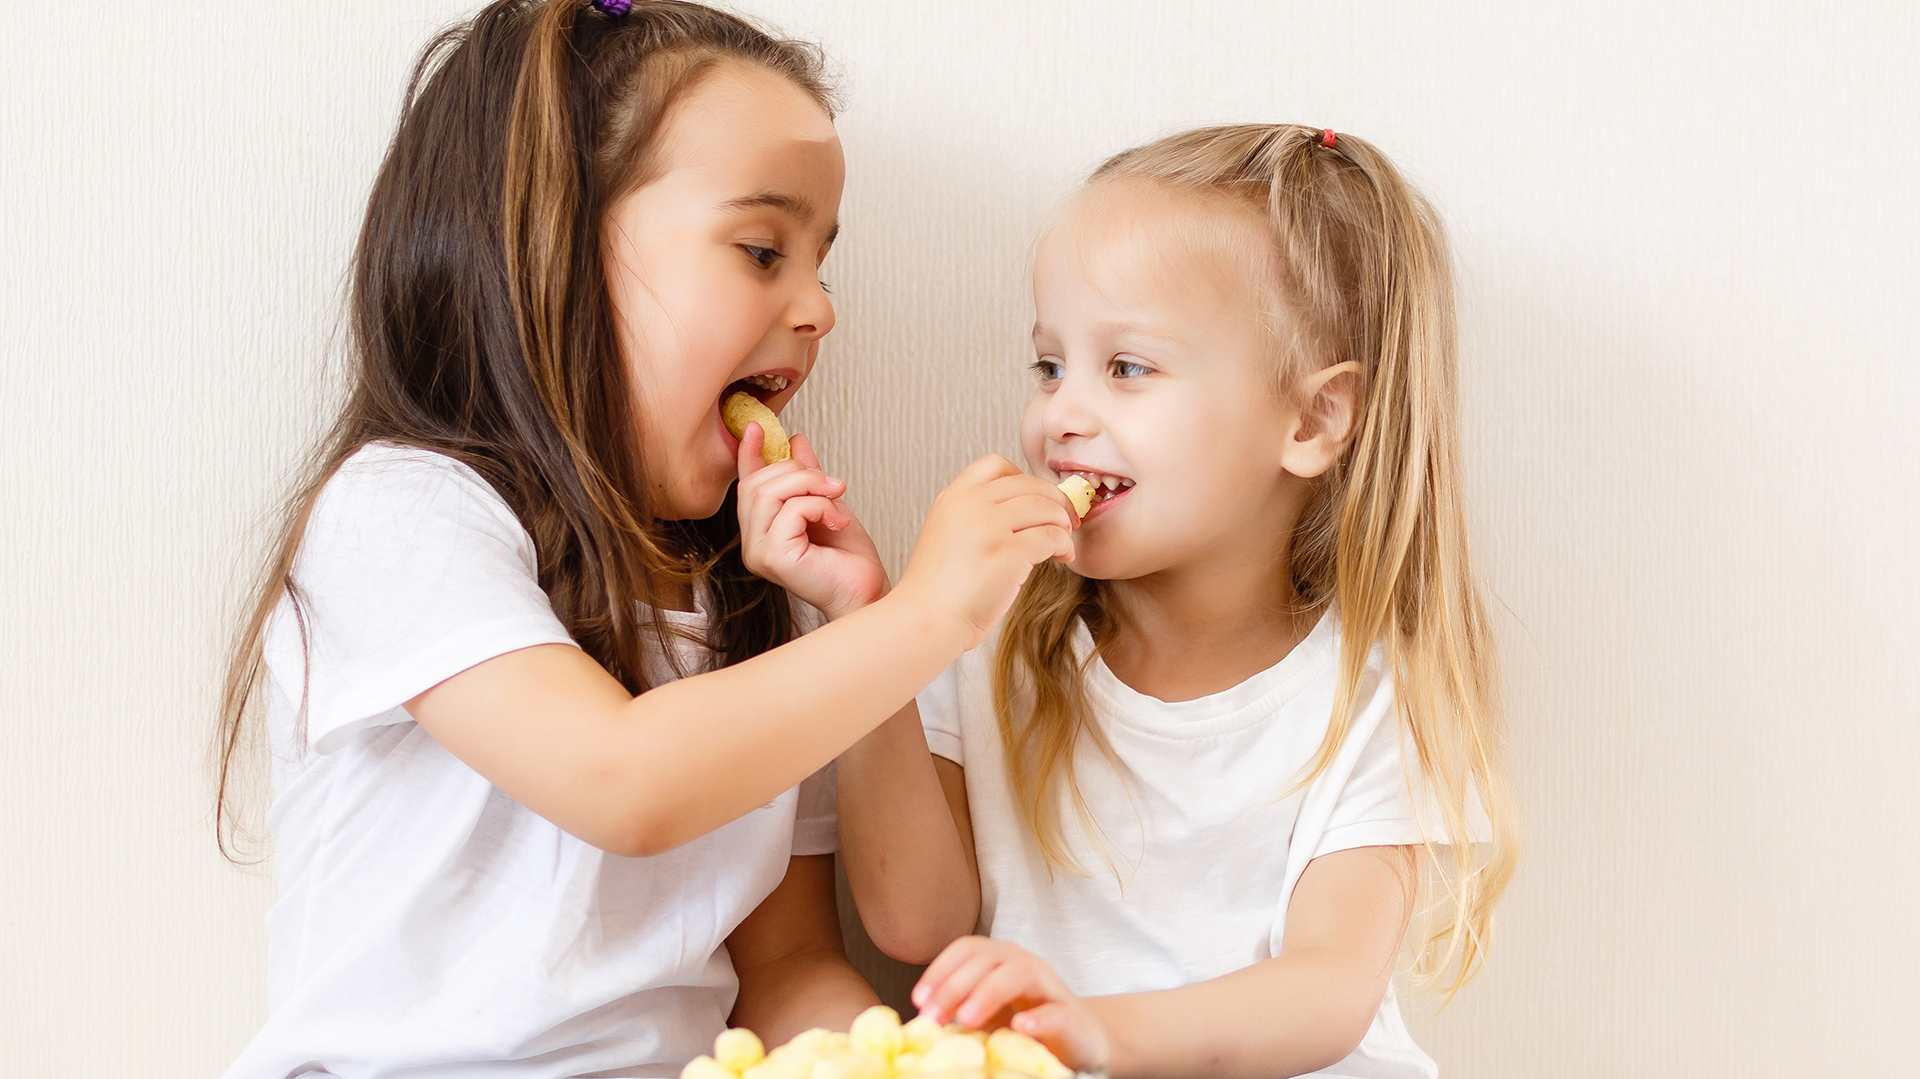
(1327, 139)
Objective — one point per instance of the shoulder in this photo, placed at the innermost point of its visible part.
(963, 694)
(385, 485)
(385, 470)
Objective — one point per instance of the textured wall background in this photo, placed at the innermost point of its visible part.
(1687, 249)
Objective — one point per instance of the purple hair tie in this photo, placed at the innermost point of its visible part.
(613, 7)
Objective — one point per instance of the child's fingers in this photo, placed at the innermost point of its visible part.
(802, 451)
(1046, 541)
(949, 960)
(1029, 511)
(763, 494)
(1000, 987)
(796, 513)
(783, 481)
(951, 990)
(1066, 1033)
(1040, 498)
(984, 471)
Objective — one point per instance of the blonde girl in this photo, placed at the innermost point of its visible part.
(1192, 793)
(549, 747)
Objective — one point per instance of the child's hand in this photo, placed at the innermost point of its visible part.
(983, 537)
(984, 983)
(795, 532)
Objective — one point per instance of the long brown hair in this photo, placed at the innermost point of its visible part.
(481, 327)
(1363, 275)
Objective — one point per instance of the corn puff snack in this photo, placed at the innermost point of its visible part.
(744, 408)
(880, 1047)
(1079, 491)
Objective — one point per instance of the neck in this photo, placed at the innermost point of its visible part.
(1201, 628)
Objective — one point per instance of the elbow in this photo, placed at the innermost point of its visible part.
(639, 831)
(635, 845)
(907, 945)
(916, 940)
(1341, 1039)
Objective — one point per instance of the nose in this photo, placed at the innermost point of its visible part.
(812, 312)
(1072, 409)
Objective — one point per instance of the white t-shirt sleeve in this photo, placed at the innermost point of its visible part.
(1377, 807)
(939, 706)
(411, 570)
(816, 819)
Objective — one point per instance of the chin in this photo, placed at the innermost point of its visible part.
(1091, 565)
(688, 502)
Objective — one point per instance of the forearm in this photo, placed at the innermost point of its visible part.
(812, 988)
(912, 875)
(1286, 1016)
(642, 775)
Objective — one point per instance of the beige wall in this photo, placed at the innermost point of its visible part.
(1687, 246)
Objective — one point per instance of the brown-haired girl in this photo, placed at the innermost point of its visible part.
(1190, 792)
(542, 733)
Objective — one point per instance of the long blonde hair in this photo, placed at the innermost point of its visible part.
(1363, 274)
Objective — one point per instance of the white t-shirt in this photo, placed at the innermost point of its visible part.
(1202, 843)
(427, 924)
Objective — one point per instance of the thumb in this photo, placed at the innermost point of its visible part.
(1065, 1033)
(752, 441)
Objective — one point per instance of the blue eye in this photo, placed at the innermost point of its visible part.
(764, 256)
(1047, 368)
(1124, 368)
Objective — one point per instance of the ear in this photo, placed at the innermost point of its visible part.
(1329, 411)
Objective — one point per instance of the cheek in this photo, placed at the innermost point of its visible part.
(1033, 437)
(1197, 456)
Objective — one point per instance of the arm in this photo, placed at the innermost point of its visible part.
(642, 775)
(908, 841)
(1301, 1011)
(793, 971)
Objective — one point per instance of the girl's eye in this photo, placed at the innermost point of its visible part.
(764, 256)
(1125, 368)
(826, 288)
(1047, 368)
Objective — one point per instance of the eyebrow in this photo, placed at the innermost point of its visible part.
(1118, 330)
(780, 200)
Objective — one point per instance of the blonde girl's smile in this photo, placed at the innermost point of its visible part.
(1108, 488)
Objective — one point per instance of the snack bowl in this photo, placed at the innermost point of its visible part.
(879, 1046)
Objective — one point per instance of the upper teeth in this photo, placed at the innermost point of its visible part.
(1100, 479)
(771, 383)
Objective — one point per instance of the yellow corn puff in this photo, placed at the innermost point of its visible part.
(706, 1068)
(876, 1031)
(852, 1066)
(744, 408)
(919, 1034)
(1079, 490)
(783, 1065)
(956, 1053)
(906, 1064)
(738, 1049)
(1014, 1051)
